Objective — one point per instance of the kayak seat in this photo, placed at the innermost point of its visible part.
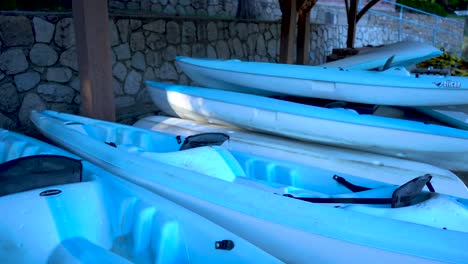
(32, 172)
(204, 139)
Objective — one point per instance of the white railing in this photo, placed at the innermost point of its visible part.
(434, 26)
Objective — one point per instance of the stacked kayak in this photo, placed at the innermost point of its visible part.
(358, 217)
(435, 144)
(252, 149)
(60, 209)
(454, 115)
(398, 54)
(394, 86)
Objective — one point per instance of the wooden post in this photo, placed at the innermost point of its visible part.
(91, 23)
(303, 31)
(352, 15)
(288, 30)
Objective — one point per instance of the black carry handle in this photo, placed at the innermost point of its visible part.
(402, 196)
(203, 139)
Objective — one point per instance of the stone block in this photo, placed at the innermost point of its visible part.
(26, 81)
(58, 74)
(122, 51)
(158, 26)
(9, 100)
(52, 92)
(168, 72)
(169, 53)
(68, 58)
(13, 61)
(133, 83)
(119, 71)
(65, 33)
(123, 26)
(189, 32)
(16, 31)
(44, 30)
(173, 32)
(137, 41)
(138, 61)
(43, 55)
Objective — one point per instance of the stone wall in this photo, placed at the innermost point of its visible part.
(330, 13)
(265, 9)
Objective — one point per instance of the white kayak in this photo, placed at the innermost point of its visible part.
(325, 158)
(276, 217)
(59, 209)
(395, 86)
(454, 115)
(439, 145)
(403, 53)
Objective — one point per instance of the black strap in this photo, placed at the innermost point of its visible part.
(343, 200)
(350, 186)
(402, 196)
(430, 187)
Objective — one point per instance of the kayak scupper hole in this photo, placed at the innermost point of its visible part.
(444, 228)
(72, 123)
(50, 192)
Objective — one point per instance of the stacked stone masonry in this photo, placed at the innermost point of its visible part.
(39, 69)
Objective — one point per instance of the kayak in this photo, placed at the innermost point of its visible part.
(246, 145)
(454, 115)
(438, 145)
(58, 208)
(402, 54)
(394, 86)
(270, 213)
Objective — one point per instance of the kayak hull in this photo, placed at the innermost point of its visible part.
(394, 86)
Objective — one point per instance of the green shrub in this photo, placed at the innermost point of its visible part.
(7, 4)
(36, 5)
(426, 6)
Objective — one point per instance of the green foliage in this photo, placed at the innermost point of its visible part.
(427, 6)
(7, 4)
(35, 5)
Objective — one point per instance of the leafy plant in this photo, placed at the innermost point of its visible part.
(427, 6)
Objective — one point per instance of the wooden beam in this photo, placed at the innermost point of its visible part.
(288, 30)
(91, 23)
(352, 14)
(303, 31)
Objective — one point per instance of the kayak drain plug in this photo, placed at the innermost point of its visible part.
(224, 244)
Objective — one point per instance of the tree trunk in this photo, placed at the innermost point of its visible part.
(246, 9)
(354, 17)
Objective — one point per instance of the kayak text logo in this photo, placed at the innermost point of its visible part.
(448, 84)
